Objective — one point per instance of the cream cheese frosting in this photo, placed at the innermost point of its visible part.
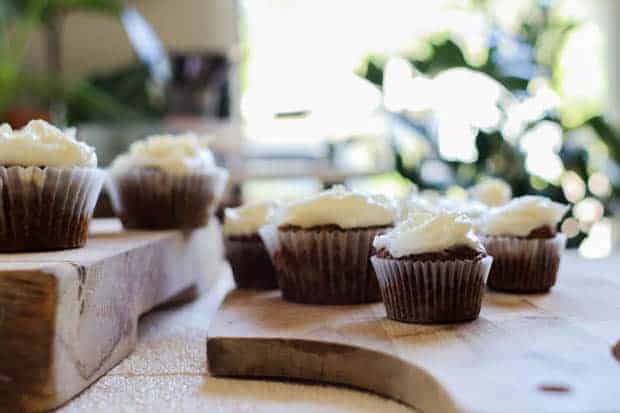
(174, 154)
(471, 208)
(522, 215)
(424, 232)
(338, 206)
(42, 144)
(492, 192)
(247, 219)
(419, 203)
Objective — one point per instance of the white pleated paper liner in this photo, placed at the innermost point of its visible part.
(432, 291)
(524, 265)
(149, 198)
(324, 265)
(250, 262)
(46, 208)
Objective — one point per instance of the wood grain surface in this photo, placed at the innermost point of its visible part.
(167, 373)
(547, 352)
(67, 317)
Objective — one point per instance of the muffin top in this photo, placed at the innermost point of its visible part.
(174, 154)
(340, 207)
(42, 144)
(492, 192)
(247, 219)
(522, 215)
(429, 232)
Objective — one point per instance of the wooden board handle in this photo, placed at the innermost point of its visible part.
(326, 362)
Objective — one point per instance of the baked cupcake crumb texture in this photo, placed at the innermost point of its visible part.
(542, 232)
(456, 252)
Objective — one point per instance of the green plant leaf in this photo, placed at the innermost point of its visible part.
(113, 7)
(50, 8)
(87, 102)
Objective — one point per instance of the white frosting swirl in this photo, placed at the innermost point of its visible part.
(424, 232)
(42, 144)
(492, 192)
(472, 209)
(247, 219)
(340, 207)
(174, 154)
(418, 204)
(521, 215)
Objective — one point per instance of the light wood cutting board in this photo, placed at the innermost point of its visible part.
(548, 352)
(67, 317)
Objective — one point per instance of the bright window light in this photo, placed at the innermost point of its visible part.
(599, 242)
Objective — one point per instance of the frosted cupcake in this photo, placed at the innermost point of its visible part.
(431, 269)
(321, 246)
(522, 238)
(491, 192)
(245, 251)
(49, 187)
(166, 182)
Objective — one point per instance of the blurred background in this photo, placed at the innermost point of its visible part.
(297, 95)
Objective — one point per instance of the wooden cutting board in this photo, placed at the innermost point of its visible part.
(67, 317)
(545, 352)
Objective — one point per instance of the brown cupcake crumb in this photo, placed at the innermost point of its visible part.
(542, 232)
(330, 227)
(247, 237)
(455, 253)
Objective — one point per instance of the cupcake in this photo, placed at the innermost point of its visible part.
(521, 236)
(166, 182)
(245, 251)
(49, 187)
(431, 268)
(321, 246)
(491, 192)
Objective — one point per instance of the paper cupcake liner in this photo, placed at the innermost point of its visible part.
(153, 199)
(432, 291)
(46, 208)
(524, 265)
(269, 234)
(324, 265)
(250, 262)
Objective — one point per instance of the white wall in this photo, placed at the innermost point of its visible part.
(95, 43)
(606, 13)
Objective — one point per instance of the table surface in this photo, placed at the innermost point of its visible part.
(168, 372)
